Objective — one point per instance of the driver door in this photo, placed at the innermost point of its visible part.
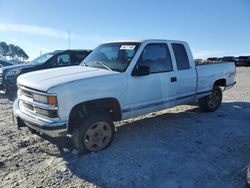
(151, 92)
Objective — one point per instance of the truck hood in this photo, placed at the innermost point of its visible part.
(45, 79)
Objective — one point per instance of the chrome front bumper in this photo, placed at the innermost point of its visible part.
(53, 128)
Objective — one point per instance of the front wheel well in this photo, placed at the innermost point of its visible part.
(81, 110)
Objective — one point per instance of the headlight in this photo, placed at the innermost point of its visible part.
(45, 99)
(12, 73)
(40, 98)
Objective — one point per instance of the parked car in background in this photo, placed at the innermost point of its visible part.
(58, 58)
(228, 59)
(5, 63)
(243, 61)
(213, 60)
(199, 61)
(118, 80)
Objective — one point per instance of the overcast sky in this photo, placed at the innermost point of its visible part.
(211, 27)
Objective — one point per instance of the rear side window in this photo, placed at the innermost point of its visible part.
(157, 57)
(181, 56)
(81, 56)
(62, 60)
(77, 58)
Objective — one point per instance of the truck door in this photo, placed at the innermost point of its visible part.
(152, 92)
(186, 72)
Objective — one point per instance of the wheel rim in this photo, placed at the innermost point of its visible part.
(214, 99)
(97, 136)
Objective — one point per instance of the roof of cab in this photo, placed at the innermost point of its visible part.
(146, 40)
(72, 50)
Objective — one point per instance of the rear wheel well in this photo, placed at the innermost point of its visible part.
(220, 82)
(84, 109)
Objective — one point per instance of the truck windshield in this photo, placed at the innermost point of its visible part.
(41, 59)
(112, 56)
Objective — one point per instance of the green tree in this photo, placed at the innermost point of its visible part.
(4, 48)
(12, 51)
(23, 55)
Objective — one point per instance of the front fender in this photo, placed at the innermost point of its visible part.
(72, 93)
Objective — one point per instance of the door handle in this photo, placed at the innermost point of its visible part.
(173, 79)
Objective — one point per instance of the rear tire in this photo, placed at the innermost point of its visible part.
(211, 102)
(94, 133)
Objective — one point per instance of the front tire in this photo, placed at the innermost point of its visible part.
(94, 133)
(211, 102)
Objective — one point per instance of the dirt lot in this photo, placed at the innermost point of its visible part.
(178, 147)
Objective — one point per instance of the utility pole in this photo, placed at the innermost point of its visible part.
(69, 38)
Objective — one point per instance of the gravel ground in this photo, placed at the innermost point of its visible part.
(178, 147)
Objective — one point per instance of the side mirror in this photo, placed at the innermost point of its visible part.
(141, 71)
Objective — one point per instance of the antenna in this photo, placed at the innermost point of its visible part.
(69, 38)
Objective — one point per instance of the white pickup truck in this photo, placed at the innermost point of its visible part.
(118, 80)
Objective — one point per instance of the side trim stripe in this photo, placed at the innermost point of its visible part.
(159, 103)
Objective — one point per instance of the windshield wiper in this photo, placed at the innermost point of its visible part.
(105, 66)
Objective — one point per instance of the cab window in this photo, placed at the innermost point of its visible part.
(181, 56)
(156, 57)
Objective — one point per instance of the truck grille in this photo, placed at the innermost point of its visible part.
(29, 106)
(26, 93)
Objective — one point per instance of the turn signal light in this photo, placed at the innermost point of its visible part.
(52, 100)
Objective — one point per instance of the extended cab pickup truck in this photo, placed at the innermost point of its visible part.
(118, 80)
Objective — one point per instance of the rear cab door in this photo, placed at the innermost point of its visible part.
(186, 75)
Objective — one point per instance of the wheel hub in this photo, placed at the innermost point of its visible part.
(97, 136)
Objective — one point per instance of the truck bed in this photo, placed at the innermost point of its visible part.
(207, 73)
